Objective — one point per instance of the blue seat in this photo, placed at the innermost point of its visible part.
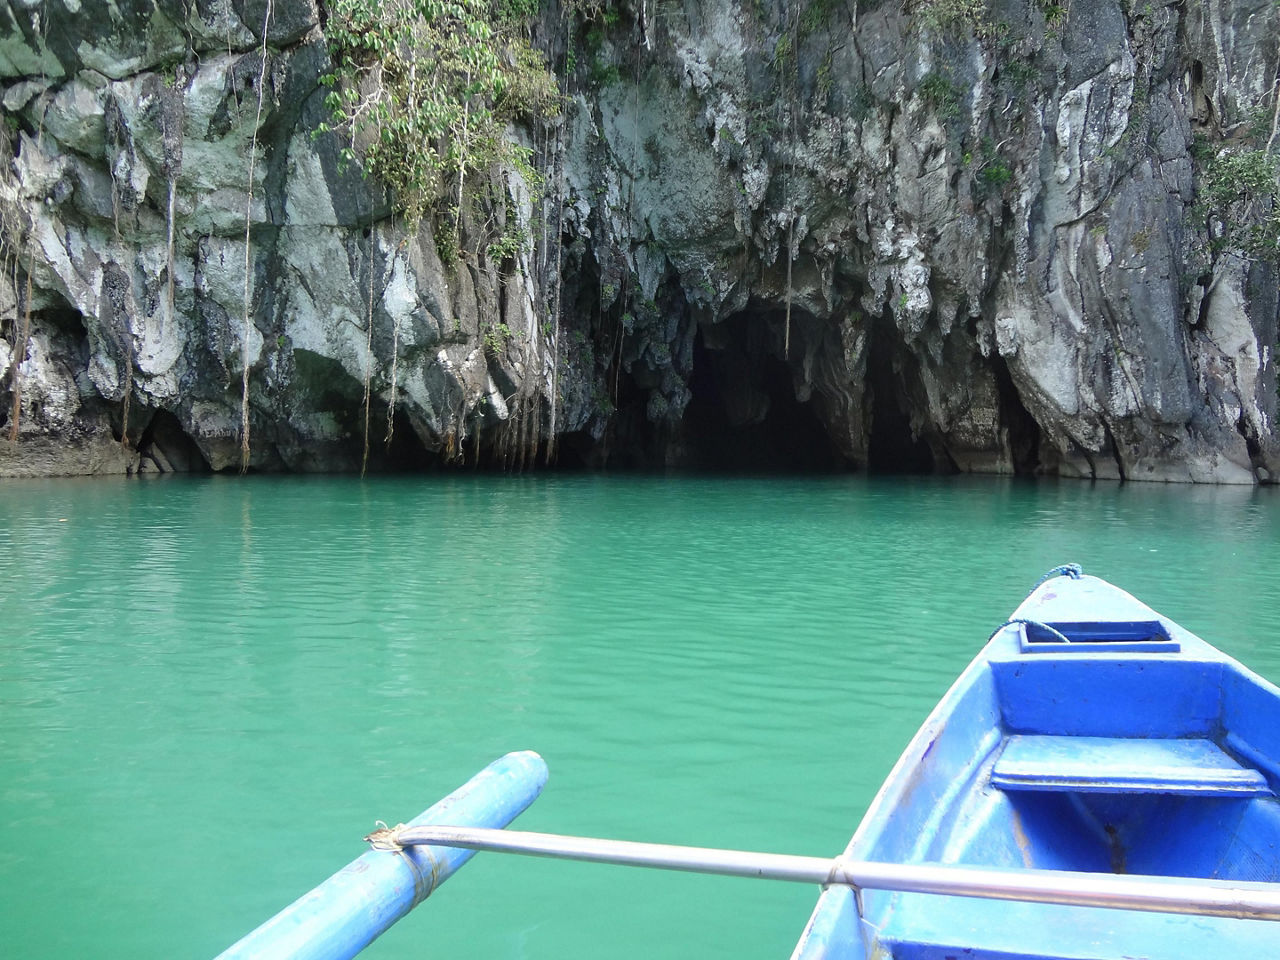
(1183, 767)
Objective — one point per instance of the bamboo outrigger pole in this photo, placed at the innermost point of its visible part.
(343, 915)
(1214, 898)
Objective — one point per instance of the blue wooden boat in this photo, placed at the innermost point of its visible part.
(1098, 784)
(1090, 738)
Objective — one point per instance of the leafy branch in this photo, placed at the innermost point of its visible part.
(423, 91)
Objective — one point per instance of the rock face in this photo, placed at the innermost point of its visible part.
(950, 237)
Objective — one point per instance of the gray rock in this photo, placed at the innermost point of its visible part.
(856, 239)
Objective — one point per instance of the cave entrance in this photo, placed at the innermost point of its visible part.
(743, 414)
(167, 448)
(891, 446)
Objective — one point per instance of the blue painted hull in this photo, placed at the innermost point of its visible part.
(1136, 748)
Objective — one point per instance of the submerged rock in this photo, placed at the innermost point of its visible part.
(954, 237)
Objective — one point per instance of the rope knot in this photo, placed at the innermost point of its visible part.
(841, 874)
(1070, 570)
(385, 838)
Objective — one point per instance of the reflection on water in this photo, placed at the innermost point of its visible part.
(210, 688)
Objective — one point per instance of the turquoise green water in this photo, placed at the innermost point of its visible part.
(210, 688)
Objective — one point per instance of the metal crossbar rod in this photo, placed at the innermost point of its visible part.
(1215, 898)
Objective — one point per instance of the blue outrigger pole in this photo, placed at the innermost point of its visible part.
(352, 908)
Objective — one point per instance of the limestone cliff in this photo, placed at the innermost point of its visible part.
(955, 235)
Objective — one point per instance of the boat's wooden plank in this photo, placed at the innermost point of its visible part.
(1189, 767)
(938, 928)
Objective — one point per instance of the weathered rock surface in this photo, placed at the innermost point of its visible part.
(822, 234)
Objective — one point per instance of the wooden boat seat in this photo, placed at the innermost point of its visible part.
(1185, 767)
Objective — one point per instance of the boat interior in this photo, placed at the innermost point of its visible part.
(1180, 787)
(1126, 748)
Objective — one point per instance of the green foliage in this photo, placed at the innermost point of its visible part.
(1055, 15)
(818, 14)
(824, 80)
(423, 90)
(603, 74)
(496, 337)
(782, 53)
(1240, 190)
(1259, 121)
(602, 18)
(1019, 73)
(950, 15)
(943, 95)
(996, 173)
(993, 173)
(516, 12)
(508, 245)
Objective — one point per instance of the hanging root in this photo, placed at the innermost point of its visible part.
(248, 271)
(395, 369)
(20, 353)
(128, 395)
(786, 337)
(368, 353)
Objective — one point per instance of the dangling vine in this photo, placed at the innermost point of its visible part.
(786, 60)
(368, 350)
(20, 351)
(15, 236)
(395, 370)
(248, 269)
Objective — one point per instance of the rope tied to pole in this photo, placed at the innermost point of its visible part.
(842, 874)
(387, 839)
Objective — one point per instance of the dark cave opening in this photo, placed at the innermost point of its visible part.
(168, 448)
(1024, 432)
(405, 453)
(744, 414)
(891, 446)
